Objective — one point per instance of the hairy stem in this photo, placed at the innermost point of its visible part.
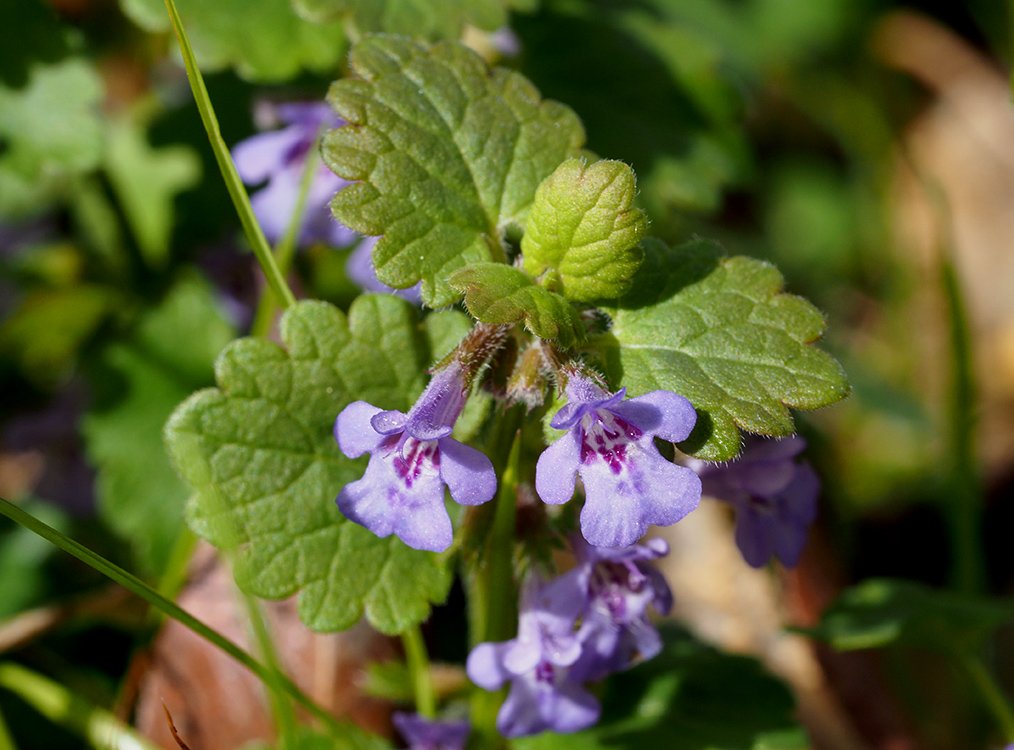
(493, 595)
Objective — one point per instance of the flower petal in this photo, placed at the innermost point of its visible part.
(788, 539)
(485, 666)
(799, 500)
(426, 525)
(556, 471)
(274, 204)
(520, 656)
(662, 413)
(263, 155)
(753, 536)
(388, 422)
(522, 713)
(574, 709)
(648, 490)
(353, 429)
(365, 501)
(382, 503)
(468, 472)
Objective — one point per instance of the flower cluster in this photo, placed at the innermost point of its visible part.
(774, 494)
(278, 157)
(580, 627)
(610, 444)
(412, 458)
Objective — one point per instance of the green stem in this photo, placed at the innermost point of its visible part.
(965, 499)
(286, 247)
(100, 728)
(992, 696)
(240, 199)
(492, 599)
(175, 574)
(419, 670)
(135, 585)
(6, 740)
(281, 705)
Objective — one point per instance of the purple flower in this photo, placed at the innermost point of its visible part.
(539, 664)
(775, 497)
(426, 734)
(619, 585)
(361, 271)
(627, 484)
(279, 157)
(412, 457)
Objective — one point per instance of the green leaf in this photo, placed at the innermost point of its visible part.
(51, 131)
(584, 230)
(263, 41)
(260, 454)
(445, 155)
(47, 330)
(884, 612)
(445, 329)
(500, 294)
(140, 381)
(689, 697)
(146, 180)
(721, 332)
(427, 19)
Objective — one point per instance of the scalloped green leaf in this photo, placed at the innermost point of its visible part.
(444, 155)
(262, 41)
(427, 19)
(501, 294)
(259, 453)
(583, 230)
(721, 332)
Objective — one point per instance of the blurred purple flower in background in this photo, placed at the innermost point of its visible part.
(627, 483)
(619, 586)
(279, 158)
(360, 269)
(539, 664)
(412, 457)
(775, 496)
(428, 734)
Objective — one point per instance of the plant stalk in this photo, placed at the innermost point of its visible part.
(992, 696)
(98, 727)
(135, 585)
(237, 192)
(419, 671)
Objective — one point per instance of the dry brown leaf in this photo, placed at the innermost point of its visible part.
(216, 702)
